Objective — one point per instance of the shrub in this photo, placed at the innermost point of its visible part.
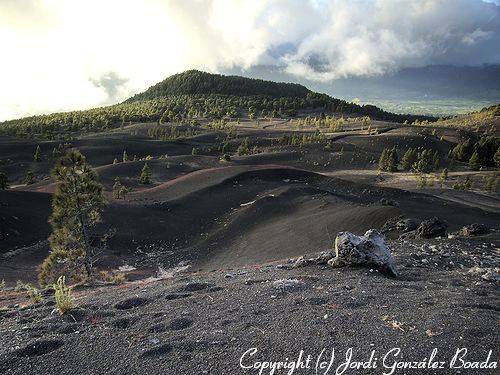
(465, 184)
(34, 294)
(114, 278)
(2, 284)
(225, 157)
(30, 178)
(443, 177)
(421, 181)
(125, 156)
(194, 151)
(63, 296)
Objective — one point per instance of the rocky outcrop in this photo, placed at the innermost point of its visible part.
(431, 228)
(369, 250)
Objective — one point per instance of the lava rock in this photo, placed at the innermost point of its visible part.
(431, 228)
(407, 225)
(369, 250)
(474, 230)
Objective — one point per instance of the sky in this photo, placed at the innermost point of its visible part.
(59, 55)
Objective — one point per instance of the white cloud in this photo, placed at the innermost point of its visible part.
(62, 55)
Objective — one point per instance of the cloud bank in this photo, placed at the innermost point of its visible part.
(62, 55)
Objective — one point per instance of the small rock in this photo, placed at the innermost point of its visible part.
(389, 202)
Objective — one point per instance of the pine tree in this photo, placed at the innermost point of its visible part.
(76, 208)
(496, 158)
(3, 181)
(409, 158)
(30, 178)
(382, 162)
(145, 177)
(425, 163)
(393, 161)
(119, 190)
(244, 147)
(115, 161)
(436, 160)
(474, 162)
(38, 154)
(125, 156)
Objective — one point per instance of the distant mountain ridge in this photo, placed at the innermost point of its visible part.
(195, 82)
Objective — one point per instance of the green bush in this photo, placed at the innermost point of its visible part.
(63, 296)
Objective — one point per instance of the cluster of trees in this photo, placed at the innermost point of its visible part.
(190, 96)
(171, 133)
(485, 152)
(389, 160)
(302, 139)
(333, 123)
(417, 161)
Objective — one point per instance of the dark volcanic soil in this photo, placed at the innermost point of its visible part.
(203, 323)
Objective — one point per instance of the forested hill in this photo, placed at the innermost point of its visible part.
(194, 82)
(193, 95)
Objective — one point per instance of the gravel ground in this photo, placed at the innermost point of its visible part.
(445, 299)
